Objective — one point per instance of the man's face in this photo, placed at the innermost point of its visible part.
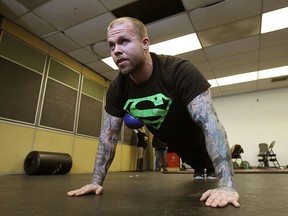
(126, 47)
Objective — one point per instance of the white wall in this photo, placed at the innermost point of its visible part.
(252, 118)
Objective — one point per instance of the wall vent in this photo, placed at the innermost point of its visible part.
(278, 79)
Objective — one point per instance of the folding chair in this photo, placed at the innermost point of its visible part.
(263, 160)
(272, 155)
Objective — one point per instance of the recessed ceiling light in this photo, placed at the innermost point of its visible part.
(274, 20)
(109, 61)
(177, 45)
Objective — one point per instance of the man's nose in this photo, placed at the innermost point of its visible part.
(117, 50)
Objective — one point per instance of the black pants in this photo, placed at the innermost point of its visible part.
(194, 154)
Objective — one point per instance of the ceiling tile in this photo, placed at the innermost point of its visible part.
(238, 88)
(112, 4)
(99, 66)
(194, 56)
(171, 27)
(204, 68)
(31, 4)
(234, 60)
(195, 4)
(268, 84)
(111, 75)
(83, 56)
(235, 70)
(12, 9)
(231, 31)
(90, 31)
(274, 52)
(274, 38)
(273, 62)
(207, 74)
(62, 42)
(269, 5)
(232, 47)
(225, 12)
(101, 49)
(215, 92)
(67, 13)
(35, 25)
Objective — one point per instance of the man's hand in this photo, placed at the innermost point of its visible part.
(87, 189)
(220, 197)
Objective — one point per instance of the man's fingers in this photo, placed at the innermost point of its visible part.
(220, 197)
(99, 190)
(72, 193)
(235, 203)
(86, 190)
(205, 195)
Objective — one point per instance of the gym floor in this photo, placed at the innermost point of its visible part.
(132, 193)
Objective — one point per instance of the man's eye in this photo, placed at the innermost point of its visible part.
(112, 46)
(124, 42)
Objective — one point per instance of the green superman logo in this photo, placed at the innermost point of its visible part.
(151, 110)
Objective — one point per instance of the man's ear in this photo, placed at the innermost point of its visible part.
(145, 43)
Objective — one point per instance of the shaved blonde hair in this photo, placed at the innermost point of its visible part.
(140, 28)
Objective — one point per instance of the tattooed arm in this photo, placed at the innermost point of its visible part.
(104, 156)
(203, 113)
(107, 147)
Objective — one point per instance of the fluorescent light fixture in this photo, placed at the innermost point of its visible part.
(251, 76)
(240, 78)
(230, 80)
(213, 83)
(273, 72)
(177, 46)
(109, 61)
(274, 20)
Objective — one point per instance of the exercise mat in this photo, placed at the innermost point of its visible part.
(47, 163)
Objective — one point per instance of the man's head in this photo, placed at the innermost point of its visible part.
(137, 25)
(129, 44)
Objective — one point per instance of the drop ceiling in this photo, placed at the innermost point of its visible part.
(229, 32)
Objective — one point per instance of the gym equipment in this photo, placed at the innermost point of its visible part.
(47, 163)
(132, 122)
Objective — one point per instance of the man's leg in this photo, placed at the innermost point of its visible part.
(157, 162)
(164, 161)
(197, 157)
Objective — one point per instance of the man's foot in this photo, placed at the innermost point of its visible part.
(199, 176)
(211, 176)
(157, 169)
(165, 169)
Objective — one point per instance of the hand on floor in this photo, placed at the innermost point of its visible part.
(220, 197)
(87, 189)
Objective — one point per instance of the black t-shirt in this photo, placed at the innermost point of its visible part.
(161, 102)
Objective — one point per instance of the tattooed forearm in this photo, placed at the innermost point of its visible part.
(107, 147)
(203, 113)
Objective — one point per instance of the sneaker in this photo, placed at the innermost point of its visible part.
(157, 169)
(165, 169)
(211, 176)
(199, 176)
